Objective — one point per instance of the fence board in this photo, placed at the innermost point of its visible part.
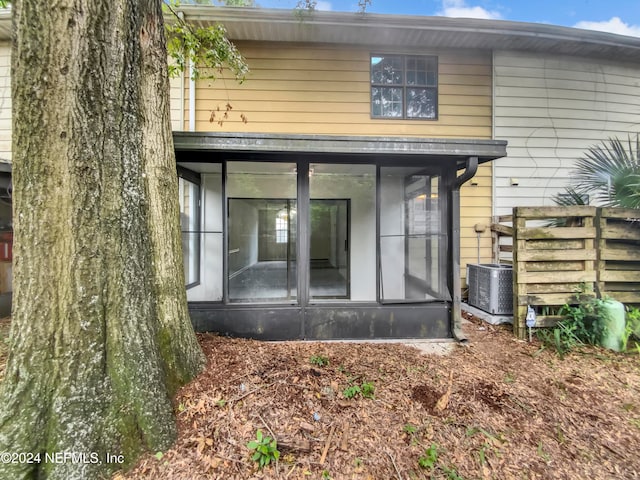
(549, 299)
(621, 232)
(557, 265)
(558, 233)
(619, 276)
(548, 255)
(620, 254)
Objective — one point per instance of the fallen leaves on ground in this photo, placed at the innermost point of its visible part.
(496, 408)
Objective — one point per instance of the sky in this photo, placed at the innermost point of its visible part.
(615, 16)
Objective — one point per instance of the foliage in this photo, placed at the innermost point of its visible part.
(609, 173)
(632, 326)
(206, 49)
(365, 389)
(319, 360)
(409, 429)
(580, 326)
(583, 319)
(265, 449)
(429, 459)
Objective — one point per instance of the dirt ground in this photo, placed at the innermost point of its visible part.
(497, 408)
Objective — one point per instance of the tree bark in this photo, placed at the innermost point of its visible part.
(101, 337)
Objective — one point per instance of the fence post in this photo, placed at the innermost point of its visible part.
(519, 288)
(600, 244)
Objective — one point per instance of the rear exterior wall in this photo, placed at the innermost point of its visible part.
(551, 109)
(325, 90)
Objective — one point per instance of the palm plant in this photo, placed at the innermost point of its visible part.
(610, 174)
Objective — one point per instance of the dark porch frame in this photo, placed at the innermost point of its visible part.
(336, 319)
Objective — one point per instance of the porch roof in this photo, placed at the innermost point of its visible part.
(454, 149)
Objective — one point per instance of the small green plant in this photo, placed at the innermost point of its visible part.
(265, 449)
(351, 391)
(482, 454)
(319, 360)
(410, 429)
(365, 390)
(632, 326)
(326, 475)
(581, 325)
(544, 455)
(429, 459)
(451, 473)
(368, 389)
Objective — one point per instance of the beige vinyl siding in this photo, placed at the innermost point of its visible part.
(551, 109)
(176, 92)
(5, 101)
(475, 207)
(326, 90)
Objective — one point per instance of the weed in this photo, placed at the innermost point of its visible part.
(351, 391)
(368, 389)
(265, 449)
(544, 455)
(482, 456)
(451, 473)
(326, 475)
(365, 390)
(319, 360)
(581, 324)
(429, 460)
(632, 326)
(410, 429)
(509, 378)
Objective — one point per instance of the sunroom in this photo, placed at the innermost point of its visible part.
(324, 237)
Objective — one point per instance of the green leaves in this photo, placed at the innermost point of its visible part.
(265, 450)
(365, 389)
(610, 173)
(206, 49)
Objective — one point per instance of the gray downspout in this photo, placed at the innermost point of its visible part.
(456, 285)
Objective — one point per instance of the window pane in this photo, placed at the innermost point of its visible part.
(386, 102)
(211, 244)
(413, 239)
(261, 231)
(190, 225)
(421, 102)
(386, 70)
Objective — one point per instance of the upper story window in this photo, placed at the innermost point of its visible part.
(404, 86)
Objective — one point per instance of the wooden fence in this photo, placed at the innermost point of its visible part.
(559, 253)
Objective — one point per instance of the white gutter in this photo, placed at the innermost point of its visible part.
(493, 130)
(192, 99)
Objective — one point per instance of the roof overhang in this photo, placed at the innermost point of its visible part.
(402, 31)
(350, 148)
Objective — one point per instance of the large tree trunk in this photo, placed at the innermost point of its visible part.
(101, 336)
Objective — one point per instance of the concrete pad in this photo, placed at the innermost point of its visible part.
(487, 317)
(432, 347)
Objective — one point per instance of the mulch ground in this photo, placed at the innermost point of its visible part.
(497, 408)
